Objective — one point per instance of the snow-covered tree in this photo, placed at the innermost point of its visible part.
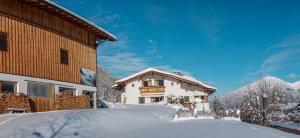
(218, 106)
(262, 104)
(104, 86)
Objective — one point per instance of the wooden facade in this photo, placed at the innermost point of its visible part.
(35, 39)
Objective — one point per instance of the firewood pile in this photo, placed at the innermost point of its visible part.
(14, 101)
(67, 102)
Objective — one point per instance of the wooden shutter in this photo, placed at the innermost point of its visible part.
(3, 41)
(64, 56)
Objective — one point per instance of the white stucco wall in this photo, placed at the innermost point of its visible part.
(23, 80)
(132, 93)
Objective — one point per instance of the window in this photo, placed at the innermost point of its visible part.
(3, 41)
(67, 91)
(197, 96)
(132, 85)
(7, 87)
(145, 83)
(172, 83)
(204, 98)
(156, 99)
(64, 56)
(186, 99)
(149, 82)
(88, 93)
(159, 83)
(141, 100)
(37, 89)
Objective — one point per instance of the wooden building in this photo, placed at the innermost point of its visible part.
(46, 49)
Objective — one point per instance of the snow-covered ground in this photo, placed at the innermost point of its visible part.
(290, 125)
(127, 121)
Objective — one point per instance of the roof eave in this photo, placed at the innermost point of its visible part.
(109, 36)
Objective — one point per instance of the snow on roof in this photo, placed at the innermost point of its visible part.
(183, 77)
(81, 18)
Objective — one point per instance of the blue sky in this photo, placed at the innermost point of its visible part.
(226, 44)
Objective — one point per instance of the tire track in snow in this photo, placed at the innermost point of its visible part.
(9, 118)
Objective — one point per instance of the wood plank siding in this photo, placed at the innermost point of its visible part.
(35, 37)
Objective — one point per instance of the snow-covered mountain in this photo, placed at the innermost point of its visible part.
(296, 85)
(292, 89)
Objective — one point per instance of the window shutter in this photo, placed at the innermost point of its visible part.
(3, 41)
(64, 56)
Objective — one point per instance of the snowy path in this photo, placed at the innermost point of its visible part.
(127, 121)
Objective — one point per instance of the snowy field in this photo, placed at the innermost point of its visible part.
(127, 121)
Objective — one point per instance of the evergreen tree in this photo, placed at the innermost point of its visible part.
(218, 106)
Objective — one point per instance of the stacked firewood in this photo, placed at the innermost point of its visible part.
(14, 101)
(67, 101)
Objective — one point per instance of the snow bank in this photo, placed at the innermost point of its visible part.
(177, 106)
(231, 118)
(290, 125)
(204, 117)
(192, 118)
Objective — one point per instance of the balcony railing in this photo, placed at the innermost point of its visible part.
(152, 89)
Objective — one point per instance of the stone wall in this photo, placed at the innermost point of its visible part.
(67, 102)
(14, 101)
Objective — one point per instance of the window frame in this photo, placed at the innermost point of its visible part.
(142, 100)
(145, 82)
(64, 56)
(70, 91)
(161, 83)
(10, 82)
(185, 101)
(3, 41)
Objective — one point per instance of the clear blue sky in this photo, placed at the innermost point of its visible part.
(223, 43)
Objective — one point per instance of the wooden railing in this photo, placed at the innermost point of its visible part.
(152, 89)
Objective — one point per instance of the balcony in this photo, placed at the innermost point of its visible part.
(152, 89)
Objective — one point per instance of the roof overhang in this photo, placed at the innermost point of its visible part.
(72, 17)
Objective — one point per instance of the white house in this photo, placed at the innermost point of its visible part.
(153, 85)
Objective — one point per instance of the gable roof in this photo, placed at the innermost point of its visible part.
(71, 16)
(183, 77)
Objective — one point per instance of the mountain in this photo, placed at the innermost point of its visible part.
(296, 85)
(290, 90)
